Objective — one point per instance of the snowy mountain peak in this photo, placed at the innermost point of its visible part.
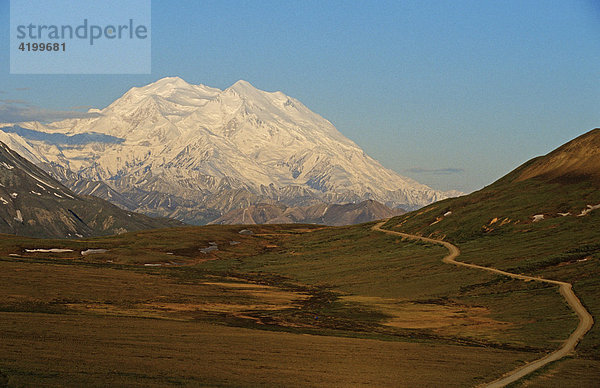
(191, 144)
(164, 83)
(246, 91)
(171, 80)
(163, 86)
(241, 84)
(170, 88)
(245, 87)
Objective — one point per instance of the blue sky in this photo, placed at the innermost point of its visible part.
(451, 93)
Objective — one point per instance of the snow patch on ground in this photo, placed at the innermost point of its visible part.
(92, 251)
(538, 217)
(438, 219)
(588, 210)
(39, 180)
(51, 250)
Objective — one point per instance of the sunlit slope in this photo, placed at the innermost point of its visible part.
(575, 161)
(560, 188)
(542, 219)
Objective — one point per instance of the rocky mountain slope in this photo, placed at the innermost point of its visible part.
(34, 204)
(195, 153)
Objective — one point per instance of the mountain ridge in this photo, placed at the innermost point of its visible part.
(561, 185)
(334, 215)
(577, 159)
(34, 204)
(195, 142)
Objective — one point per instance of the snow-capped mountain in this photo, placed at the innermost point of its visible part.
(194, 152)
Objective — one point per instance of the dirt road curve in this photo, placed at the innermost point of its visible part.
(566, 290)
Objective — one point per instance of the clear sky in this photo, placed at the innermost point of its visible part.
(451, 93)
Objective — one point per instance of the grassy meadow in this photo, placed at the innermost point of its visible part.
(288, 305)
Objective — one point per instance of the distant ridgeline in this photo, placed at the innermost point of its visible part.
(62, 139)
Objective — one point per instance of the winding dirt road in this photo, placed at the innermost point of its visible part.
(566, 290)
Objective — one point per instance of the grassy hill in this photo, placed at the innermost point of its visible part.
(540, 219)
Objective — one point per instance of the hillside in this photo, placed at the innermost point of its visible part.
(34, 204)
(336, 214)
(560, 187)
(576, 161)
(542, 219)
